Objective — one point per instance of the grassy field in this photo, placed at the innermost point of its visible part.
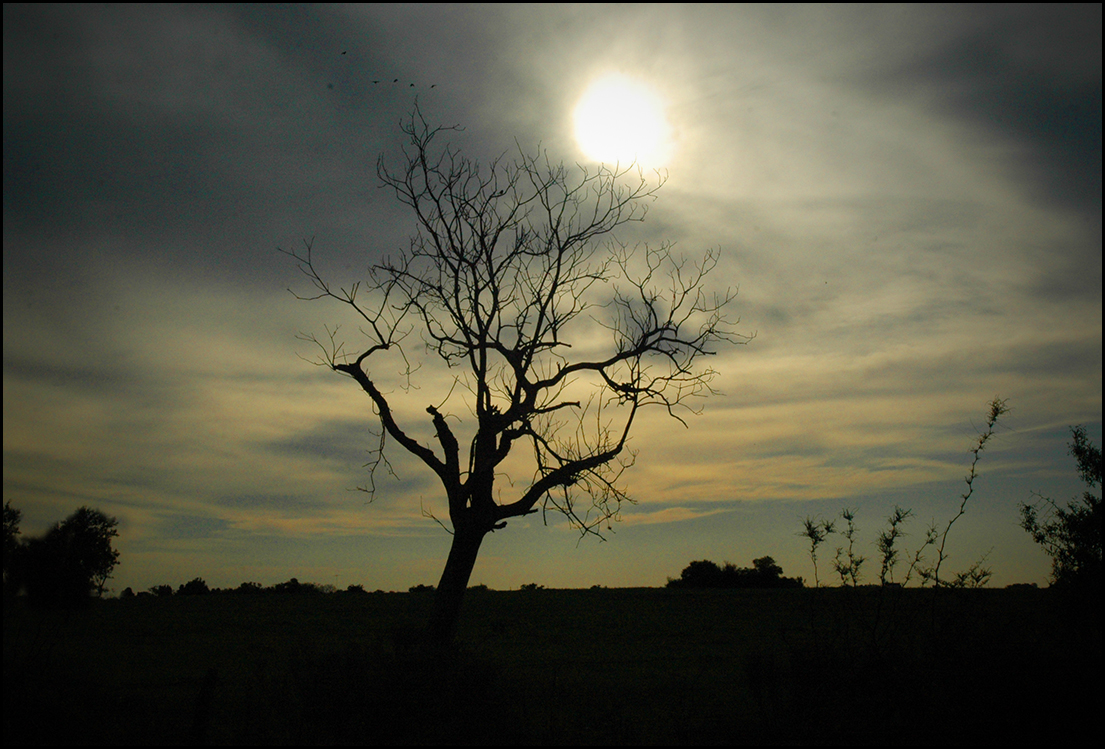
(606, 666)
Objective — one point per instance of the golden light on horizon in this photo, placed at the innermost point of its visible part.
(620, 119)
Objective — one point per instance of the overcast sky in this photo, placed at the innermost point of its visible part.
(908, 197)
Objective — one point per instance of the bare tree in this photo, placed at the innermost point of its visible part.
(512, 272)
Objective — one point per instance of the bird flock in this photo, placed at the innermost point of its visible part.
(379, 81)
(411, 85)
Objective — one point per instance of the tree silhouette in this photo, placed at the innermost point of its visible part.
(764, 573)
(89, 533)
(766, 568)
(1071, 535)
(701, 573)
(74, 559)
(509, 283)
(12, 517)
(195, 587)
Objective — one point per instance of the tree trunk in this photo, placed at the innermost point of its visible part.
(454, 582)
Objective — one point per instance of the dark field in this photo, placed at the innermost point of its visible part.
(641, 666)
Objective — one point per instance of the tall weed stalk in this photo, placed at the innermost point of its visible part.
(874, 636)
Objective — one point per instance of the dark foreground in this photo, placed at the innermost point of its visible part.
(646, 666)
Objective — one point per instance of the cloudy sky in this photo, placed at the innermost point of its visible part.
(908, 197)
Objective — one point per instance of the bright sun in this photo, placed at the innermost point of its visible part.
(622, 120)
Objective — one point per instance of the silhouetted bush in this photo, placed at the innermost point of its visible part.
(420, 588)
(249, 589)
(194, 587)
(1071, 535)
(764, 573)
(162, 591)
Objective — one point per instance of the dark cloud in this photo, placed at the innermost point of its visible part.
(286, 505)
(71, 375)
(195, 142)
(343, 442)
(1027, 74)
(176, 526)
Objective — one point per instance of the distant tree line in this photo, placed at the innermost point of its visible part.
(764, 573)
(198, 586)
(67, 566)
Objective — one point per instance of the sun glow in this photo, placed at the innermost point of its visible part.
(619, 119)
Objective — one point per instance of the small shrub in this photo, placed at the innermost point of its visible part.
(847, 564)
(816, 531)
